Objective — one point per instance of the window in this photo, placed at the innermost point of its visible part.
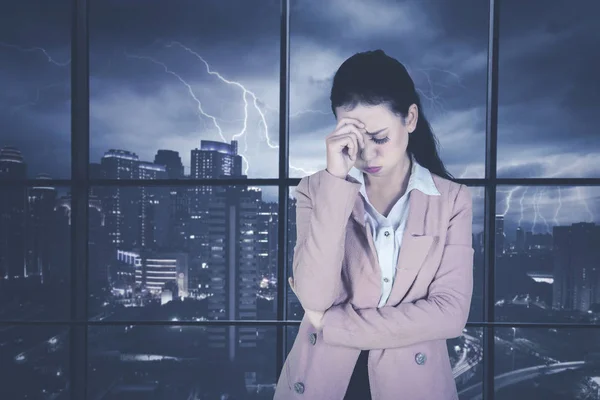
(546, 75)
(179, 82)
(35, 71)
(450, 76)
(145, 247)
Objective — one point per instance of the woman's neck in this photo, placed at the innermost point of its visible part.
(392, 185)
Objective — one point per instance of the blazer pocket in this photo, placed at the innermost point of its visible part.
(414, 251)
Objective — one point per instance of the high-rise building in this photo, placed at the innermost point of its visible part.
(215, 159)
(121, 203)
(172, 162)
(224, 233)
(156, 270)
(233, 226)
(178, 200)
(153, 212)
(211, 160)
(266, 238)
(520, 245)
(499, 235)
(576, 266)
(40, 228)
(12, 215)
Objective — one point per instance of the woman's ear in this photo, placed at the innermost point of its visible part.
(412, 117)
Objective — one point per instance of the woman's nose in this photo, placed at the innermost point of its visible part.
(367, 153)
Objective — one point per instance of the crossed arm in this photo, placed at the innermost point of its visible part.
(441, 315)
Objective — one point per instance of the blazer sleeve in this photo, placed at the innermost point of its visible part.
(321, 220)
(441, 315)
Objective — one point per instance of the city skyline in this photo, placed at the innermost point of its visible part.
(191, 90)
(145, 265)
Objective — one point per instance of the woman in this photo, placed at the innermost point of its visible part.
(383, 260)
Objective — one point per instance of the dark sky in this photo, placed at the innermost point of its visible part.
(168, 74)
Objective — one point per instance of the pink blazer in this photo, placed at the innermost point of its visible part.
(335, 270)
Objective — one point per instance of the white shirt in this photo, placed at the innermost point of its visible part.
(387, 231)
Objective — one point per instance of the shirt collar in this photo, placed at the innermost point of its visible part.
(420, 179)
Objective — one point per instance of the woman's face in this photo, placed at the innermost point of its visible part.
(385, 134)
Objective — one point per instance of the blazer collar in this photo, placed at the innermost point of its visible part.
(420, 179)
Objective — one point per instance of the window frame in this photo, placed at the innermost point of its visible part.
(80, 183)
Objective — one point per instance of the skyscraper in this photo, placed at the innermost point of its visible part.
(212, 160)
(576, 266)
(233, 224)
(153, 211)
(520, 245)
(178, 200)
(120, 203)
(499, 235)
(40, 228)
(12, 215)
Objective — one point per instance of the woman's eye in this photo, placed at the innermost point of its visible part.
(381, 141)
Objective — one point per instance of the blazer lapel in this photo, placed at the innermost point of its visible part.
(414, 248)
(358, 214)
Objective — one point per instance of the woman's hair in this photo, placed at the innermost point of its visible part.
(374, 78)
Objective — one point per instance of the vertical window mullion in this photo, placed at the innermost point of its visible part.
(79, 197)
(282, 247)
(491, 157)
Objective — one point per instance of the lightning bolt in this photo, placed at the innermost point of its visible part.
(187, 85)
(37, 49)
(445, 71)
(466, 171)
(191, 92)
(585, 204)
(558, 208)
(535, 210)
(433, 97)
(536, 198)
(16, 108)
(245, 91)
(245, 94)
(522, 207)
(541, 215)
(508, 198)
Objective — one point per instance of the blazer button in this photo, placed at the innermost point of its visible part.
(387, 233)
(420, 358)
(313, 338)
(299, 387)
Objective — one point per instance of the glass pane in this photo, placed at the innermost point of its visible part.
(548, 93)
(181, 362)
(183, 253)
(295, 311)
(555, 363)
(478, 238)
(466, 359)
(35, 74)
(170, 84)
(450, 75)
(35, 255)
(34, 361)
(547, 254)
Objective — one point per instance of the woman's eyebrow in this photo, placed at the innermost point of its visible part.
(375, 133)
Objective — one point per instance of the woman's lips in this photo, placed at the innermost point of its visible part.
(372, 169)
